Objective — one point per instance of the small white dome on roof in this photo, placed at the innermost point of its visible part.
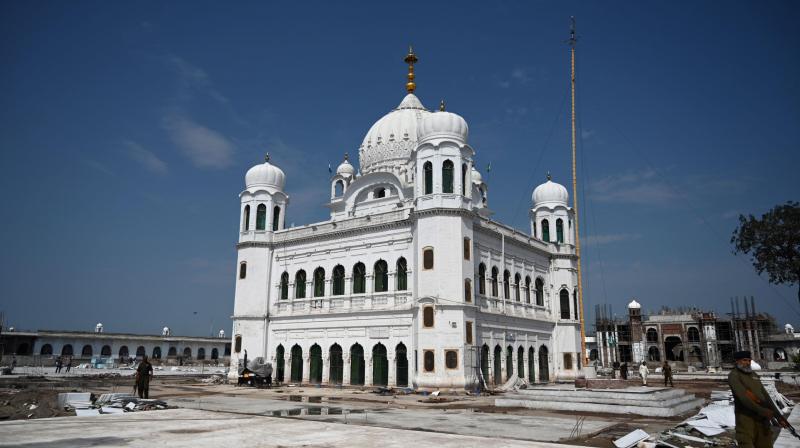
(550, 192)
(265, 175)
(443, 124)
(476, 176)
(345, 169)
(634, 305)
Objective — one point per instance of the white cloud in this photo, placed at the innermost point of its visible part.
(146, 158)
(205, 147)
(610, 238)
(639, 187)
(97, 166)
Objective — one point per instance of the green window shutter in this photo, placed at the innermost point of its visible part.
(261, 217)
(428, 174)
(447, 177)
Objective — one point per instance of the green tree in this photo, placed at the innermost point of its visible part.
(773, 243)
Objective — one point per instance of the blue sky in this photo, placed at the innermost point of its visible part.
(126, 130)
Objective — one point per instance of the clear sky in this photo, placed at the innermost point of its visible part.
(126, 130)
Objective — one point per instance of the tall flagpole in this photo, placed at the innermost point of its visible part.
(572, 42)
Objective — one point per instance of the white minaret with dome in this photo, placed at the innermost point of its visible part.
(408, 283)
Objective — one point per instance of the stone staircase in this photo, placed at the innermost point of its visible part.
(646, 401)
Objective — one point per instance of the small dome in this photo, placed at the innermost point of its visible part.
(634, 305)
(443, 124)
(550, 192)
(265, 175)
(476, 176)
(345, 169)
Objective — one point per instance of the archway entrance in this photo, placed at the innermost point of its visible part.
(531, 364)
(695, 355)
(653, 354)
(498, 353)
(674, 348)
(297, 364)
(521, 362)
(544, 365)
(336, 364)
(402, 365)
(315, 368)
(509, 362)
(357, 365)
(485, 363)
(380, 366)
(279, 363)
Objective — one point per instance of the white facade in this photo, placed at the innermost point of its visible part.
(409, 282)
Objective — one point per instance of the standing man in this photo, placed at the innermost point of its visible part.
(753, 407)
(143, 374)
(643, 372)
(58, 364)
(667, 370)
(623, 371)
(69, 363)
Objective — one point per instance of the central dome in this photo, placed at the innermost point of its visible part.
(389, 142)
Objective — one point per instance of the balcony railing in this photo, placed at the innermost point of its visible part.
(497, 305)
(393, 300)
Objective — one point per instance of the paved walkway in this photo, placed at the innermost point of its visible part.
(194, 428)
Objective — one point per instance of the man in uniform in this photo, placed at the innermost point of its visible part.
(143, 374)
(666, 369)
(753, 407)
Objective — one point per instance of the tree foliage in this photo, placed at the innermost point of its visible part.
(773, 243)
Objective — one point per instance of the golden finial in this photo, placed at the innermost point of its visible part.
(266, 158)
(549, 177)
(411, 59)
(441, 106)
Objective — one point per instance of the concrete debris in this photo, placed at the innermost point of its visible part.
(87, 412)
(214, 379)
(514, 383)
(111, 410)
(631, 439)
(689, 438)
(75, 400)
(32, 406)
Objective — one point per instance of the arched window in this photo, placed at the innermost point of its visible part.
(338, 188)
(338, 280)
(693, 335)
(246, 218)
(539, 292)
(575, 302)
(237, 345)
(285, 286)
(381, 273)
(201, 353)
(105, 351)
(276, 218)
(495, 274)
(482, 279)
(67, 350)
(402, 274)
(467, 248)
(359, 278)
(214, 353)
(535, 233)
(527, 289)
(506, 285)
(427, 317)
(242, 270)
(451, 359)
(463, 179)
(517, 281)
(46, 349)
(427, 258)
(652, 335)
(140, 351)
(300, 284)
(379, 193)
(564, 302)
(428, 361)
(427, 173)
(319, 282)
(559, 230)
(173, 352)
(157, 353)
(261, 217)
(86, 352)
(467, 290)
(447, 176)
(545, 230)
(123, 351)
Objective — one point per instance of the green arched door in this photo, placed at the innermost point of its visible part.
(402, 365)
(279, 364)
(315, 372)
(509, 362)
(336, 364)
(297, 364)
(498, 353)
(380, 366)
(357, 365)
(485, 363)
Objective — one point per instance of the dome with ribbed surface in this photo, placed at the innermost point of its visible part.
(345, 169)
(445, 125)
(265, 175)
(391, 139)
(550, 192)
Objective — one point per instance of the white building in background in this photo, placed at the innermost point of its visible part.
(409, 282)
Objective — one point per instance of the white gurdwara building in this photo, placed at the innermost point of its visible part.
(409, 283)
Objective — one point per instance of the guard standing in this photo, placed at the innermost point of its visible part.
(143, 374)
(667, 370)
(753, 407)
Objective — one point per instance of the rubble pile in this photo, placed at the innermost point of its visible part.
(115, 403)
(214, 379)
